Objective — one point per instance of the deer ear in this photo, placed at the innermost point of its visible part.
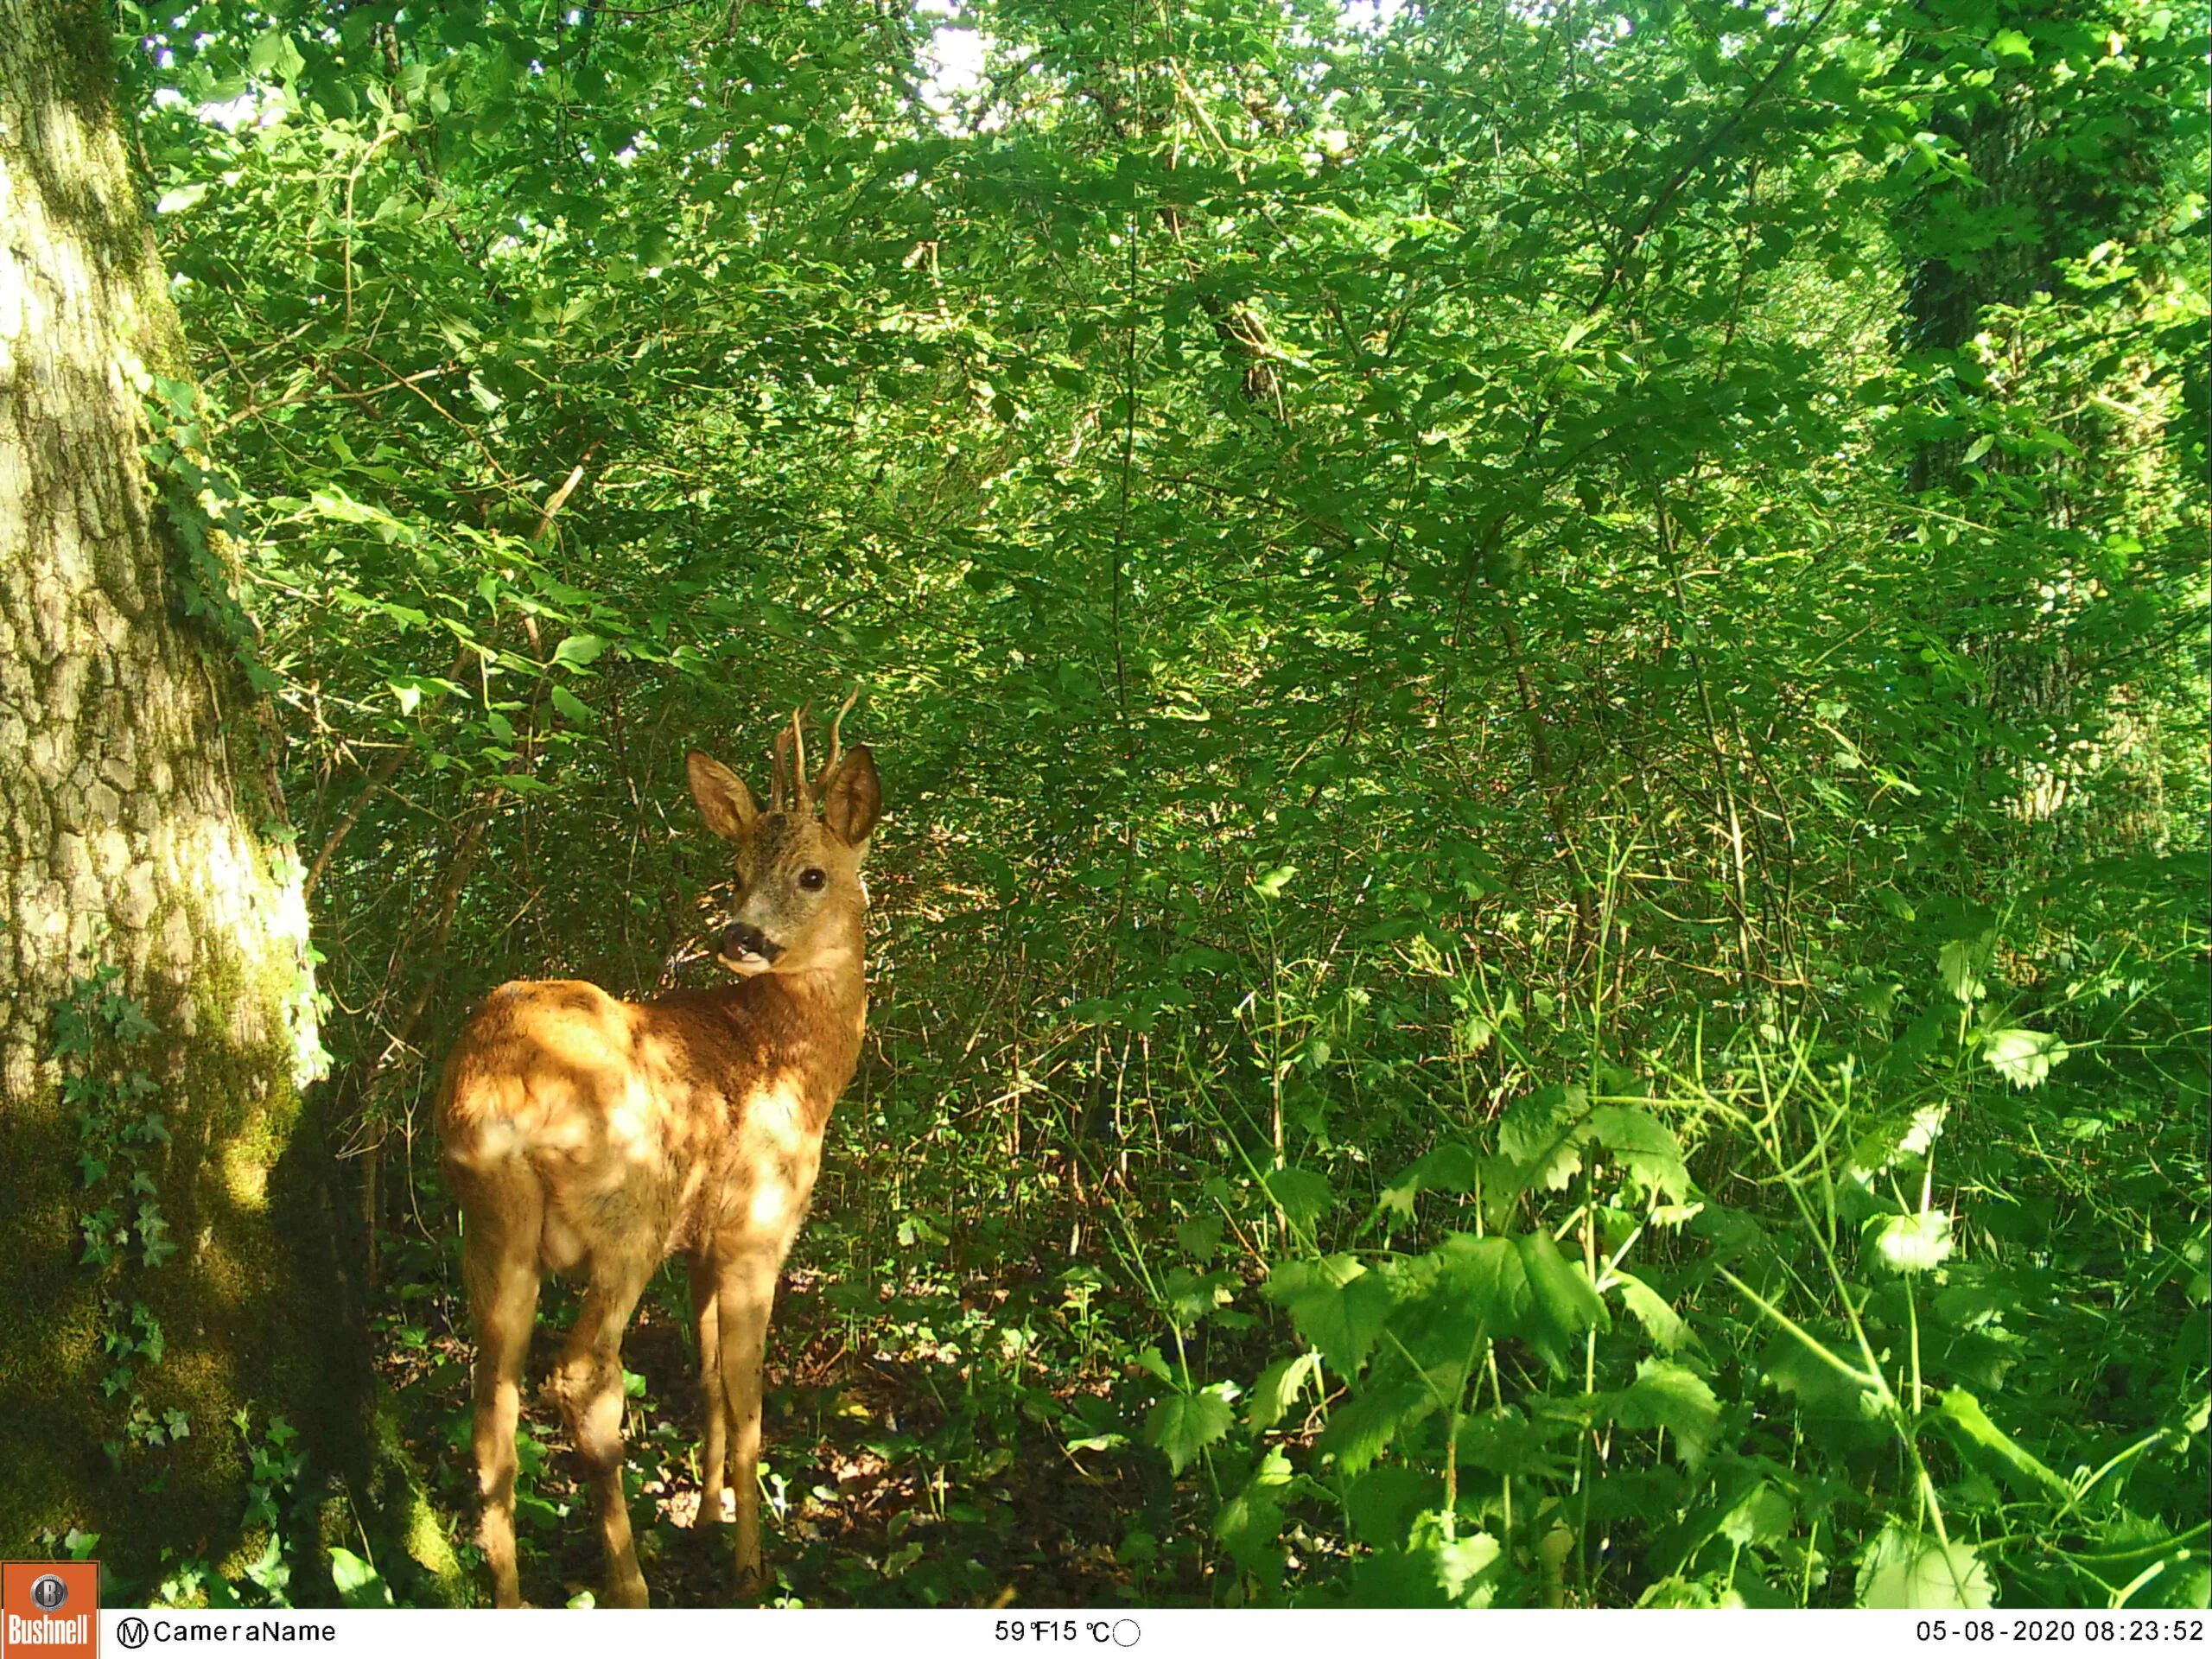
(724, 801)
(852, 796)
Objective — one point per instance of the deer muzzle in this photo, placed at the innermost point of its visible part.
(744, 948)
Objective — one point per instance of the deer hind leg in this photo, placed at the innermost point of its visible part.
(713, 1450)
(499, 1267)
(746, 1295)
(588, 1384)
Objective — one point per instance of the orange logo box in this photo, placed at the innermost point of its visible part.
(49, 1609)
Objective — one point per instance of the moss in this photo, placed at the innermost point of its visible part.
(405, 1505)
(423, 1535)
(66, 56)
(244, 1306)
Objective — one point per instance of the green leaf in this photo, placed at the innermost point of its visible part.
(1971, 1423)
(1539, 1132)
(1909, 1569)
(1652, 1311)
(1960, 962)
(1506, 1442)
(1305, 1197)
(1336, 1305)
(1451, 1167)
(1561, 1302)
(1278, 1390)
(359, 1584)
(1915, 1243)
(1820, 1387)
(332, 502)
(1190, 1297)
(1466, 1290)
(2022, 1058)
(274, 55)
(1184, 1425)
(1462, 1568)
(1644, 1146)
(1248, 1525)
(177, 199)
(571, 707)
(2010, 46)
(1376, 1503)
(579, 650)
(1200, 1236)
(1669, 1396)
(1761, 1516)
(1363, 1429)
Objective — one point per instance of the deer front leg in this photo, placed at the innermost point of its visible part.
(745, 1295)
(587, 1383)
(714, 1449)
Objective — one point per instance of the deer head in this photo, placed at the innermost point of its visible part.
(797, 863)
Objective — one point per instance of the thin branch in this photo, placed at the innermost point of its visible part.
(1698, 157)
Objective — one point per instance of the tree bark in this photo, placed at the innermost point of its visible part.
(138, 830)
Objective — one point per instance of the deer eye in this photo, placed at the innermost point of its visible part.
(812, 880)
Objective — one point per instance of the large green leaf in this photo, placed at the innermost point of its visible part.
(1451, 1167)
(1337, 1306)
(2023, 1059)
(1360, 1430)
(357, 1582)
(1961, 963)
(1903, 1568)
(1540, 1131)
(1665, 1327)
(1562, 1303)
(1669, 1396)
(1644, 1146)
(1916, 1244)
(1305, 1197)
(1247, 1526)
(1466, 1290)
(1184, 1425)
(2020, 1468)
(1278, 1388)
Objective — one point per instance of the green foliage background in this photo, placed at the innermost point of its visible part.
(1541, 677)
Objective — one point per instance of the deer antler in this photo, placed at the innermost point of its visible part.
(781, 772)
(788, 788)
(836, 749)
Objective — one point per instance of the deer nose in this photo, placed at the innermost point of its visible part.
(743, 940)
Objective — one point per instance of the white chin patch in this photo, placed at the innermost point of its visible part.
(744, 966)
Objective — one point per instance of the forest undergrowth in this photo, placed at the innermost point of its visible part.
(1540, 931)
(1749, 1309)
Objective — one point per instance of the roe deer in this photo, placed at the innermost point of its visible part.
(584, 1133)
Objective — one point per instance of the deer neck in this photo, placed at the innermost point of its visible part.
(813, 1021)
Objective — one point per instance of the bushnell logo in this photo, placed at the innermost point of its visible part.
(49, 1609)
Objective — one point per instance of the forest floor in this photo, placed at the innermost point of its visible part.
(900, 1484)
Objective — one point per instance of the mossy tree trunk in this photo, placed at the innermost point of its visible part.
(137, 830)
